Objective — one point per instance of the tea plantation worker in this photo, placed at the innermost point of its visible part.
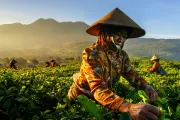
(104, 62)
(12, 64)
(53, 63)
(156, 66)
(47, 64)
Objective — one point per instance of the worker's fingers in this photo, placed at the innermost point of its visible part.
(155, 110)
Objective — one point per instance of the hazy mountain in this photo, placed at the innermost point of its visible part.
(165, 48)
(41, 33)
(48, 37)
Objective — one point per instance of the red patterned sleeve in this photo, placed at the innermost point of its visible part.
(92, 67)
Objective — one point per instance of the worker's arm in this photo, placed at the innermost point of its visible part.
(93, 70)
(92, 65)
(131, 75)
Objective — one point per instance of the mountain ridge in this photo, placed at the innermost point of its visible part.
(50, 35)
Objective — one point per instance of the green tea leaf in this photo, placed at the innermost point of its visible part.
(90, 106)
(143, 95)
(178, 110)
(2, 92)
(125, 116)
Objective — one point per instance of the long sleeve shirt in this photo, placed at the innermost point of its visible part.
(155, 67)
(99, 70)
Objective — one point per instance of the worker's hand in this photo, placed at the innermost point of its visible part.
(141, 111)
(151, 93)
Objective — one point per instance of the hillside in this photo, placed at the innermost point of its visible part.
(48, 37)
(143, 47)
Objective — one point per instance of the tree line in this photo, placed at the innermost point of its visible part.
(34, 62)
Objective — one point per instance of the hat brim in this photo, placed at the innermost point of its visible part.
(135, 32)
(154, 59)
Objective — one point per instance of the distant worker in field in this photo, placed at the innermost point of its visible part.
(53, 63)
(156, 66)
(12, 64)
(48, 64)
(105, 61)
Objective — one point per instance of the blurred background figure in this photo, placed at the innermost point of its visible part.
(53, 63)
(12, 64)
(156, 66)
(48, 64)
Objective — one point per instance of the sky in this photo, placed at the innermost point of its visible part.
(159, 18)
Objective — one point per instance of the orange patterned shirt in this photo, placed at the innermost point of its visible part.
(156, 66)
(100, 69)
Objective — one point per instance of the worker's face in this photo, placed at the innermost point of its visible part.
(119, 38)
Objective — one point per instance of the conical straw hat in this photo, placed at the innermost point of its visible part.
(154, 57)
(119, 19)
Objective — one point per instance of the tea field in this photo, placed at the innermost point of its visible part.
(40, 93)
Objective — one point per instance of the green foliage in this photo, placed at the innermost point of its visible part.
(125, 116)
(40, 93)
(90, 106)
(143, 95)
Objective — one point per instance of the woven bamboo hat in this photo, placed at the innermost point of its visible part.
(116, 18)
(154, 57)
